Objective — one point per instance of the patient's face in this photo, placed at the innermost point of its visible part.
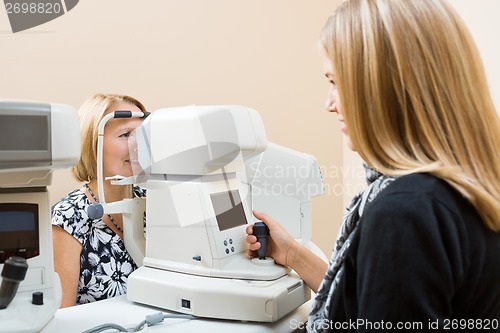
(116, 157)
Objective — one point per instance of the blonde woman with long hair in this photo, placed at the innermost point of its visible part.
(421, 244)
(89, 254)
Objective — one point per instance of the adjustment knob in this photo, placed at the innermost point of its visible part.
(261, 231)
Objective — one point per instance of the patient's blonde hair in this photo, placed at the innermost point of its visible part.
(91, 112)
(415, 96)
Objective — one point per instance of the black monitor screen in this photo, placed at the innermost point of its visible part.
(228, 209)
(19, 236)
(17, 221)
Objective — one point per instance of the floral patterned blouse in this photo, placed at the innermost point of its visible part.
(105, 264)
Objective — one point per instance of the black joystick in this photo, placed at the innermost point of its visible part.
(13, 272)
(261, 231)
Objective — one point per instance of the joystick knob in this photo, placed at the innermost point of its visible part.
(13, 272)
(261, 231)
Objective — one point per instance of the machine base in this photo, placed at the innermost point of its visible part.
(235, 299)
(21, 316)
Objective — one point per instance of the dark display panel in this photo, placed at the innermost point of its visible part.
(19, 230)
(228, 209)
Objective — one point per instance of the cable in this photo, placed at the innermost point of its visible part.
(105, 327)
(149, 321)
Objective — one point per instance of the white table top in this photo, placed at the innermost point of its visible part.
(119, 310)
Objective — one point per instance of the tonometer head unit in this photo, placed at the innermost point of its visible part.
(200, 166)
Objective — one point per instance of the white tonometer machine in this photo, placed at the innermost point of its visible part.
(35, 139)
(205, 169)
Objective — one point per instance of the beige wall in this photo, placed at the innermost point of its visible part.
(482, 18)
(258, 53)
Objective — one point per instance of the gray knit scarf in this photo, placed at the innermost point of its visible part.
(319, 320)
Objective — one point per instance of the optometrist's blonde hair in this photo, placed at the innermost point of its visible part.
(91, 112)
(415, 96)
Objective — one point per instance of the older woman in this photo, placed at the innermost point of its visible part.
(89, 254)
